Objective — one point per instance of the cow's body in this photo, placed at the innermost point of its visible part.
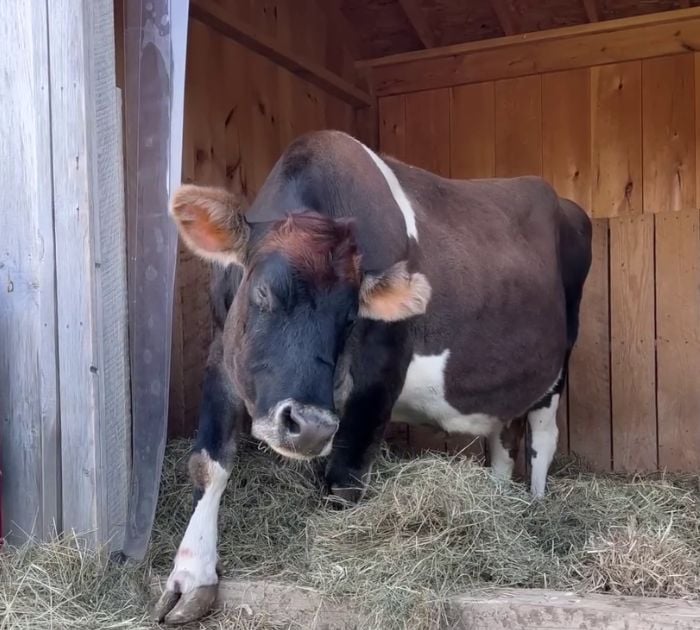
(500, 265)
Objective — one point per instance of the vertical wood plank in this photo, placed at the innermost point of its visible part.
(566, 129)
(392, 125)
(616, 139)
(697, 129)
(29, 439)
(632, 346)
(563, 422)
(90, 273)
(678, 338)
(472, 148)
(428, 130)
(668, 130)
(518, 119)
(589, 367)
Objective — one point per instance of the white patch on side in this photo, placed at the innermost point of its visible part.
(422, 399)
(195, 561)
(544, 431)
(397, 192)
(501, 462)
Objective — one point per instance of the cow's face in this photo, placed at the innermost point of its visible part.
(301, 291)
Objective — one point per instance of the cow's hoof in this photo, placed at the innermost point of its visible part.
(176, 609)
(342, 498)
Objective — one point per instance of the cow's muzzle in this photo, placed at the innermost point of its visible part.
(297, 431)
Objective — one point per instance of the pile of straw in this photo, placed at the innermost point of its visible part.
(428, 528)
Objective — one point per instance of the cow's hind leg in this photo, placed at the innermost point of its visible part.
(192, 585)
(544, 433)
(504, 444)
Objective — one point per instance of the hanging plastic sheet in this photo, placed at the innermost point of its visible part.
(155, 48)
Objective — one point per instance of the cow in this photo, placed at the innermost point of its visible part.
(356, 290)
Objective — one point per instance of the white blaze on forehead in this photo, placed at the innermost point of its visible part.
(422, 399)
(397, 192)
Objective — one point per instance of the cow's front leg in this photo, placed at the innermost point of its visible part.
(380, 354)
(192, 585)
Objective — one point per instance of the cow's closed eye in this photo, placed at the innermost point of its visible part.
(325, 360)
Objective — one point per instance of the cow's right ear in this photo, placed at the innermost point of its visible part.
(211, 222)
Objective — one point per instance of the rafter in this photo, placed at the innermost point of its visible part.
(505, 16)
(591, 7)
(416, 17)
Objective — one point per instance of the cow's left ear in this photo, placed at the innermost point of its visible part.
(394, 295)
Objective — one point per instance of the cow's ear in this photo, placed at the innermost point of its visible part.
(394, 295)
(211, 222)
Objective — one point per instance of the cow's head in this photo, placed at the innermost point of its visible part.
(302, 289)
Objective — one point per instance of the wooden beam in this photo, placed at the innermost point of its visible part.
(416, 17)
(591, 8)
(505, 16)
(492, 609)
(602, 42)
(215, 16)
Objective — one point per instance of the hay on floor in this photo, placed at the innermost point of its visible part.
(437, 525)
(428, 528)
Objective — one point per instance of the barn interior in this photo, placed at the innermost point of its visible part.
(600, 97)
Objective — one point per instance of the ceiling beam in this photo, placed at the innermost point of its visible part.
(215, 15)
(505, 16)
(606, 41)
(417, 18)
(591, 7)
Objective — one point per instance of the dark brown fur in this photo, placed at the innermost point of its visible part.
(320, 249)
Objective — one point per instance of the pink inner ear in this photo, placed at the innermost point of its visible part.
(403, 296)
(205, 234)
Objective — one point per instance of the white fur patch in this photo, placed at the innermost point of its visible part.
(397, 192)
(422, 399)
(544, 430)
(195, 561)
(501, 463)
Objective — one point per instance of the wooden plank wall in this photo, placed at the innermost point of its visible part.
(241, 111)
(622, 140)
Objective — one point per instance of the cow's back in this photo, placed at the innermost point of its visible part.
(490, 249)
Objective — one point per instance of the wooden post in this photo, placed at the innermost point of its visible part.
(90, 268)
(63, 323)
(28, 375)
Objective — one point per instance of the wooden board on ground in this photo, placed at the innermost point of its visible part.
(493, 609)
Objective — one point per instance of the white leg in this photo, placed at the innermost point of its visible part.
(194, 574)
(501, 462)
(544, 432)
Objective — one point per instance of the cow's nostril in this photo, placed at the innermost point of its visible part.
(290, 424)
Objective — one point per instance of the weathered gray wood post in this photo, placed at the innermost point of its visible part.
(64, 357)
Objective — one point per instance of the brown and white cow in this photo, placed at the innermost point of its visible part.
(356, 290)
